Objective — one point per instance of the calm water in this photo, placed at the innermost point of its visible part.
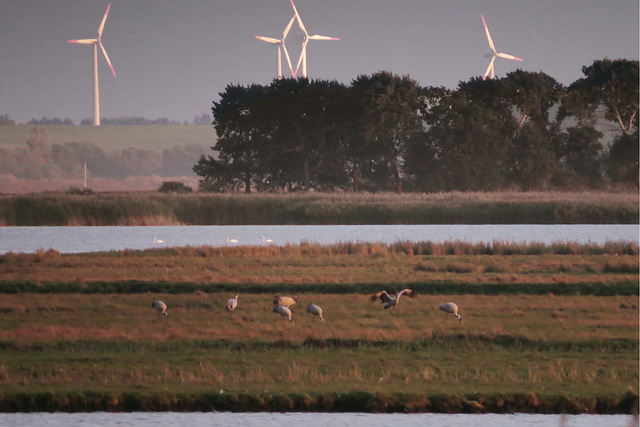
(311, 419)
(92, 239)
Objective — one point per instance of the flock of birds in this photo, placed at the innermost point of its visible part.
(282, 304)
(229, 240)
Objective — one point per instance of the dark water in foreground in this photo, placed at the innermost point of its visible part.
(94, 239)
(311, 419)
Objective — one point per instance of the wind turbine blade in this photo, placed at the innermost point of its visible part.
(507, 56)
(489, 68)
(486, 29)
(107, 58)
(269, 40)
(286, 30)
(84, 41)
(317, 37)
(299, 19)
(103, 21)
(302, 54)
(286, 54)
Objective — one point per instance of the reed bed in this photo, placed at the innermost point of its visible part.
(320, 208)
(455, 267)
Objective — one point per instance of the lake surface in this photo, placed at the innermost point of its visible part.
(311, 419)
(94, 239)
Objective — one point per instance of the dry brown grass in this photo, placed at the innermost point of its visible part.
(317, 264)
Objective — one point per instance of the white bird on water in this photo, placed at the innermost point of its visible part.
(232, 303)
(452, 308)
(283, 311)
(229, 240)
(284, 301)
(391, 301)
(265, 240)
(316, 310)
(156, 240)
(160, 306)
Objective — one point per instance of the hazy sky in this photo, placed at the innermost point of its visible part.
(172, 58)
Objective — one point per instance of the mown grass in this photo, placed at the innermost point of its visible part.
(58, 209)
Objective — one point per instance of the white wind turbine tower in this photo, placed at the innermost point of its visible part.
(307, 37)
(280, 45)
(95, 43)
(494, 54)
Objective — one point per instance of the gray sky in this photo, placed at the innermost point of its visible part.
(172, 58)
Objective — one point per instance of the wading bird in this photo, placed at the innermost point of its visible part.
(284, 301)
(391, 301)
(283, 311)
(316, 310)
(160, 306)
(452, 308)
(232, 303)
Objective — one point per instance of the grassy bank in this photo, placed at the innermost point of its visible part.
(545, 328)
(327, 208)
(115, 352)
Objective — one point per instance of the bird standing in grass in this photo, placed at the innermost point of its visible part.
(392, 301)
(232, 303)
(284, 301)
(160, 306)
(452, 308)
(283, 311)
(316, 310)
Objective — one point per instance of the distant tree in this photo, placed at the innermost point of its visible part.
(54, 121)
(609, 89)
(623, 159)
(386, 119)
(5, 120)
(174, 187)
(203, 119)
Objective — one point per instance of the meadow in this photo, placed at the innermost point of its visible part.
(112, 138)
(545, 328)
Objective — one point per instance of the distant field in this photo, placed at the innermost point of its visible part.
(113, 138)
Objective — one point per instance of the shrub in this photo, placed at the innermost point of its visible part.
(174, 187)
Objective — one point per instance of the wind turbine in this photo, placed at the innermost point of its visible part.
(303, 54)
(95, 43)
(280, 45)
(494, 54)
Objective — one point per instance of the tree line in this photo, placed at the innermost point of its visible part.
(43, 159)
(385, 132)
(202, 119)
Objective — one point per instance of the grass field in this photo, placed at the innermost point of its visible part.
(113, 138)
(104, 347)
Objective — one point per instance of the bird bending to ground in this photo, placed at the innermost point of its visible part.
(451, 307)
(229, 240)
(316, 310)
(284, 301)
(156, 240)
(160, 306)
(283, 311)
(265, 240)
(391, 301)
(232, 303)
